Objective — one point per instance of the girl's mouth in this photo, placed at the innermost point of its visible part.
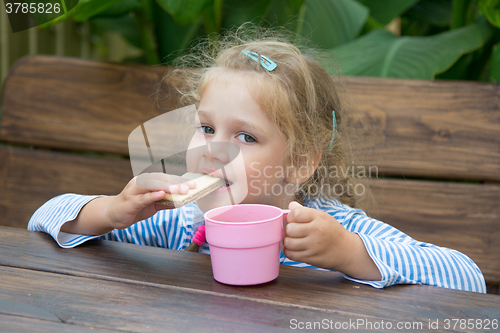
(224, 188)
(218, 175)
(228, 185)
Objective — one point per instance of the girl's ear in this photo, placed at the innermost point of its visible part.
(304, 169)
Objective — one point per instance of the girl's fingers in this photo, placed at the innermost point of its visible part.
(300, 214)
(295, 244)
(168, 183)
(296, 230)
(300, 256)
(294, 204)
(143, 200)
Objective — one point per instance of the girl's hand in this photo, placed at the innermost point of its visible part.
(137, 201)
(316, 238)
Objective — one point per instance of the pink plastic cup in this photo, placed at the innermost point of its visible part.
(245, 243)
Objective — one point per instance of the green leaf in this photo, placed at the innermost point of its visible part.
(184, 11)
(329, 23)
(237, 12)
(380, 53)
(125, 25)
(459, 70)
(172, 39)
(284, 13)
(495, 64)
(436, 12)
(386, 10)
(84, 10)
(491, 8)
(121, 8)
(44, 19)
(70, 4)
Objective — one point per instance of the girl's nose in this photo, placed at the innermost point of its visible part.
(219, 151)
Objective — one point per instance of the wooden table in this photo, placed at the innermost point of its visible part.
(105, 286)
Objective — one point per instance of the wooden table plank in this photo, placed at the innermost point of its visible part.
(312, 289)
(22, 324)
(141, 308)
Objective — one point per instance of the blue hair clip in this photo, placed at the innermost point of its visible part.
(334, 129)
(264, 61)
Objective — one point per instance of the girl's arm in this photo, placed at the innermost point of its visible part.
(50, 217)
(92, 219)
(70, 218)
(399, 258)
(315, 237)
(135, 203)
(161, 230)
(403, 260)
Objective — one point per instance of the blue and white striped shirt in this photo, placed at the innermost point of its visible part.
(400, 259)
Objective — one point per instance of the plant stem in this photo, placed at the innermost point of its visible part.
(300, 19)
(209, 23)
(459, 11)
(212, 17)
(189, 35)
(145, 23)
(218, 6)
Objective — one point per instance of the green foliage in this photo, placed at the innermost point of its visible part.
(448, 39)
(491, 8)
(332, 23)
(184, 12)
(495, 64)
(386, 55)
(385, 11)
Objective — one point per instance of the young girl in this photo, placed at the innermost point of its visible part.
(280, 107)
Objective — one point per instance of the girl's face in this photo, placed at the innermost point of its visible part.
(230, 117)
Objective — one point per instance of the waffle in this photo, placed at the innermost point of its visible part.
(205, 184)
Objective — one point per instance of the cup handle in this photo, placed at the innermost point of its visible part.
(285, 213)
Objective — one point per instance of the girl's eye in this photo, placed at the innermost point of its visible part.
(207, 129)
(246, 138)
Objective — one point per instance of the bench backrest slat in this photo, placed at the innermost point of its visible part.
(430, 129)
(72, 104)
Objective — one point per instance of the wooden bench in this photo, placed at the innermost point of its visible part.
(65, 123)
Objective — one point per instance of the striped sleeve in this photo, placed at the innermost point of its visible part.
(50, 217)
(167, 228)
(403, 260)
